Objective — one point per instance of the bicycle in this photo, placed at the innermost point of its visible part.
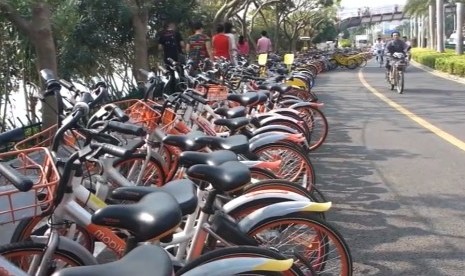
(395, 74)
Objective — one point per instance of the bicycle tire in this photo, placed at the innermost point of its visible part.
(400, 82)
(28, 246)
(238, 251)
(261, 174)
(326, 233)
(298, 153)
(313, 118)
(156, 165)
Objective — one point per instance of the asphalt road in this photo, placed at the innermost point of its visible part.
(397, 187)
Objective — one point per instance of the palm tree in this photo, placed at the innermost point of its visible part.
(418, 8)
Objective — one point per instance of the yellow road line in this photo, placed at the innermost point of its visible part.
(422, 122)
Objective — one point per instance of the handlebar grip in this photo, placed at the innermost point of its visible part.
(120, 114)
(20, 181)
(47, 75)
(197, 98)
(68, 85)
(111, 149)
(126, 128)
(144, 72)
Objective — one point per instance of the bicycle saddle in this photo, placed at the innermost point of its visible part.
(239, 144)
(249, 98)
(190, 158)
(279, 87)
(226, 177)
(183, 190)
(229, 113)
(153, 217)
(144, 260)
(233, 124)
(184, 142)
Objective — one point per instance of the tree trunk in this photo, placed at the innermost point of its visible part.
(40, 33)
(431, 21)
(459, 31)
(276, 30)
(440, 25)
(140, 22)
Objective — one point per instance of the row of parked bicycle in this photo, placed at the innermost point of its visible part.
(214, 179)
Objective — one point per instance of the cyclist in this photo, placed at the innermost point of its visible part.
(378, 49)
(396, 45)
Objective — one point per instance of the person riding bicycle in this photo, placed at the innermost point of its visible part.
(396, 45)
(378, 49)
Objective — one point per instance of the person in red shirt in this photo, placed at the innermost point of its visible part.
(243, 46)
(220, 43)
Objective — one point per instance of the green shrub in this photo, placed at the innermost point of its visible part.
(447, 62)
(459, 67)
(345, 43)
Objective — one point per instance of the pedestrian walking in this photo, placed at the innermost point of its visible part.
(220, 43)
(198, 46)
(171, 43)
(264, 44)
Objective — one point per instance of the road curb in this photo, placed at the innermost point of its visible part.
(438, 73)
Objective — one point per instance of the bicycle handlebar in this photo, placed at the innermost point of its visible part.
(21, 182)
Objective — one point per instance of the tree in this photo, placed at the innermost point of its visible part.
(38, 29)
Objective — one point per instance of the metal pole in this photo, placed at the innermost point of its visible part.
(431, 18)
(459, 45)
(440, 25)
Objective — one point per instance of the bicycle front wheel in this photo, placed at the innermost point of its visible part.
(24, 253)
(400, 82)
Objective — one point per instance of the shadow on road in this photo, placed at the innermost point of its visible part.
(365, 211)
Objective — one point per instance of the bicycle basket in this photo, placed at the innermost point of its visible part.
(213, 92)
(72, 141)
(140, 113)
(38, 165)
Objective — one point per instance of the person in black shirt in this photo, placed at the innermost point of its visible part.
(171, 43)
(396, 45)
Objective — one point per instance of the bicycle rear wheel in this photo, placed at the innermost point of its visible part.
(316, 241)
(295, 164)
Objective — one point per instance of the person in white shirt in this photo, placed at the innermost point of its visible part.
(228, 30)
(378, 49)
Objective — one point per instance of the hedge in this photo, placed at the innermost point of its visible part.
(447, 62)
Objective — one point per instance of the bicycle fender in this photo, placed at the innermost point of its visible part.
(277, 128)
(288, 102)
(305, 104)
(271, 137)
(262, 194)
(277, 117)
(233, 266)
(285, 110)
(69, 245)
(280, 210)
